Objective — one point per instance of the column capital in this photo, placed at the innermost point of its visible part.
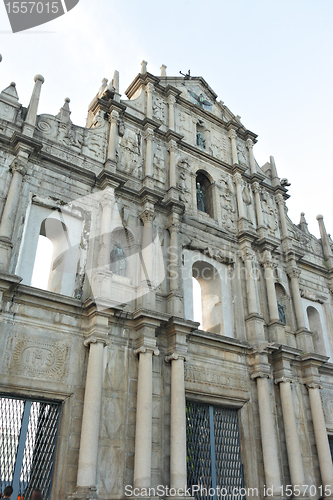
(232, 134)
(97, 339)
(261, 370)
(148, 134)
(279, 199)
(150, 87)
(247, 254)
(249, 143)
(147, 216)
(255, 186)
(293, 272)
(172, 145)
(237, 178)
(171, 99)
(20, 166)
(114, 116)
(176, 355)
(147, 349)
(314, 385)
(286, 380)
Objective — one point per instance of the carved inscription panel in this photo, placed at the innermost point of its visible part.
(34, 357)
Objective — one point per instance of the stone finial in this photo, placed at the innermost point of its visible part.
(144, 67)
(325, 241)
(163, 70)
(103, 86)
(115, 81)
(64, 112)
(303, 224)
(275, 178)
(30, 121)
(9, 94)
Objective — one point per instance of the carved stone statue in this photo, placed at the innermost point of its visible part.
(118, 260)
(282, 314)
(200, 199)
(201, 142)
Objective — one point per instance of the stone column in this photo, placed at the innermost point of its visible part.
(149, 136)
(171, 101)
(322, 444)
(257, 201)
(19, 170)
(150, 91)
(281, 205)
(248, 257)
(107, 203)
(147, 217)
(294, 274)
(233, 137)
(249, 145)
(144, 414)
(163, 70)
(291, 434)
(114, 117)
(270, 286)
(175, 299)
(87, 469)
(240, 203)
(261, 373)
(172, 148)
(30, 121)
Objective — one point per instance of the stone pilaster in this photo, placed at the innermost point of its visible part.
(283, 221)
(149, 136)
(146, 292)
(261, 372)
(276, 329)
(87, 468)
(242, 220)
(175, 301)
(172, 148)
(145, 349)
(303, 337)
(107, 203)
(19, 169)
(283, 377)
(249, 145)
(171, 103)
(114, 118)
(233, 136)
(150, 92)
(257, 201)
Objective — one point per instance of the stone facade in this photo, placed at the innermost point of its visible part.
(155, 190)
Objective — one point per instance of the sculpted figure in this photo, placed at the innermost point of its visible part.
(118, 260)
(282, 314)
(201, 142)
(200, 199)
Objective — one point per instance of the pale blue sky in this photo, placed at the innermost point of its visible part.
(270, 61)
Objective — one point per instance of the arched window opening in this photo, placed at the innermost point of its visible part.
(42, 265)
(317, 331)
(211, 296)
(204, 194)
(197, 308)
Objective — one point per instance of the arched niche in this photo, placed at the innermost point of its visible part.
(204, 193)
(283, 304)
(127, 264)
(211, 295)
(317, 330)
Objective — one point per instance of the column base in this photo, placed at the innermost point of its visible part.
(84, 493)
(175, 304)
(5, 253)
(255, 328)
(304, 340)
(276, 333)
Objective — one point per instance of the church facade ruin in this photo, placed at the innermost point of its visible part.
(155, 214)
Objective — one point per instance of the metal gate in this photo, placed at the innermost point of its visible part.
(28, 434)
(330, 440)
(213, 452)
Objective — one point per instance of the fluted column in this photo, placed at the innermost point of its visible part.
(30, 121)
(249, 145)
(107, 203)
(144, 414)
(294, 274)
(233, 136)
(147, 217)
(149, 136)
(87, 467)
(261, 373)
(257, 201)
(114, 117)
(322, 444)
(171, 102)
(19, 170)
(240, 203)
(172, 148)
(150, 91)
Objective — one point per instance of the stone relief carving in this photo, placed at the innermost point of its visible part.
(218, 146)
(241, 154)
(158, 163)
(158, 109)
(222, 256)
(215, 378)
(270, 213)
(36, 358)
(228, 207)
(184, 184)
(309, 295)
(129, 153)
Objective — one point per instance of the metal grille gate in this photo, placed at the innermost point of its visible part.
(28, 433)
(330, 440)
(213, 451)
